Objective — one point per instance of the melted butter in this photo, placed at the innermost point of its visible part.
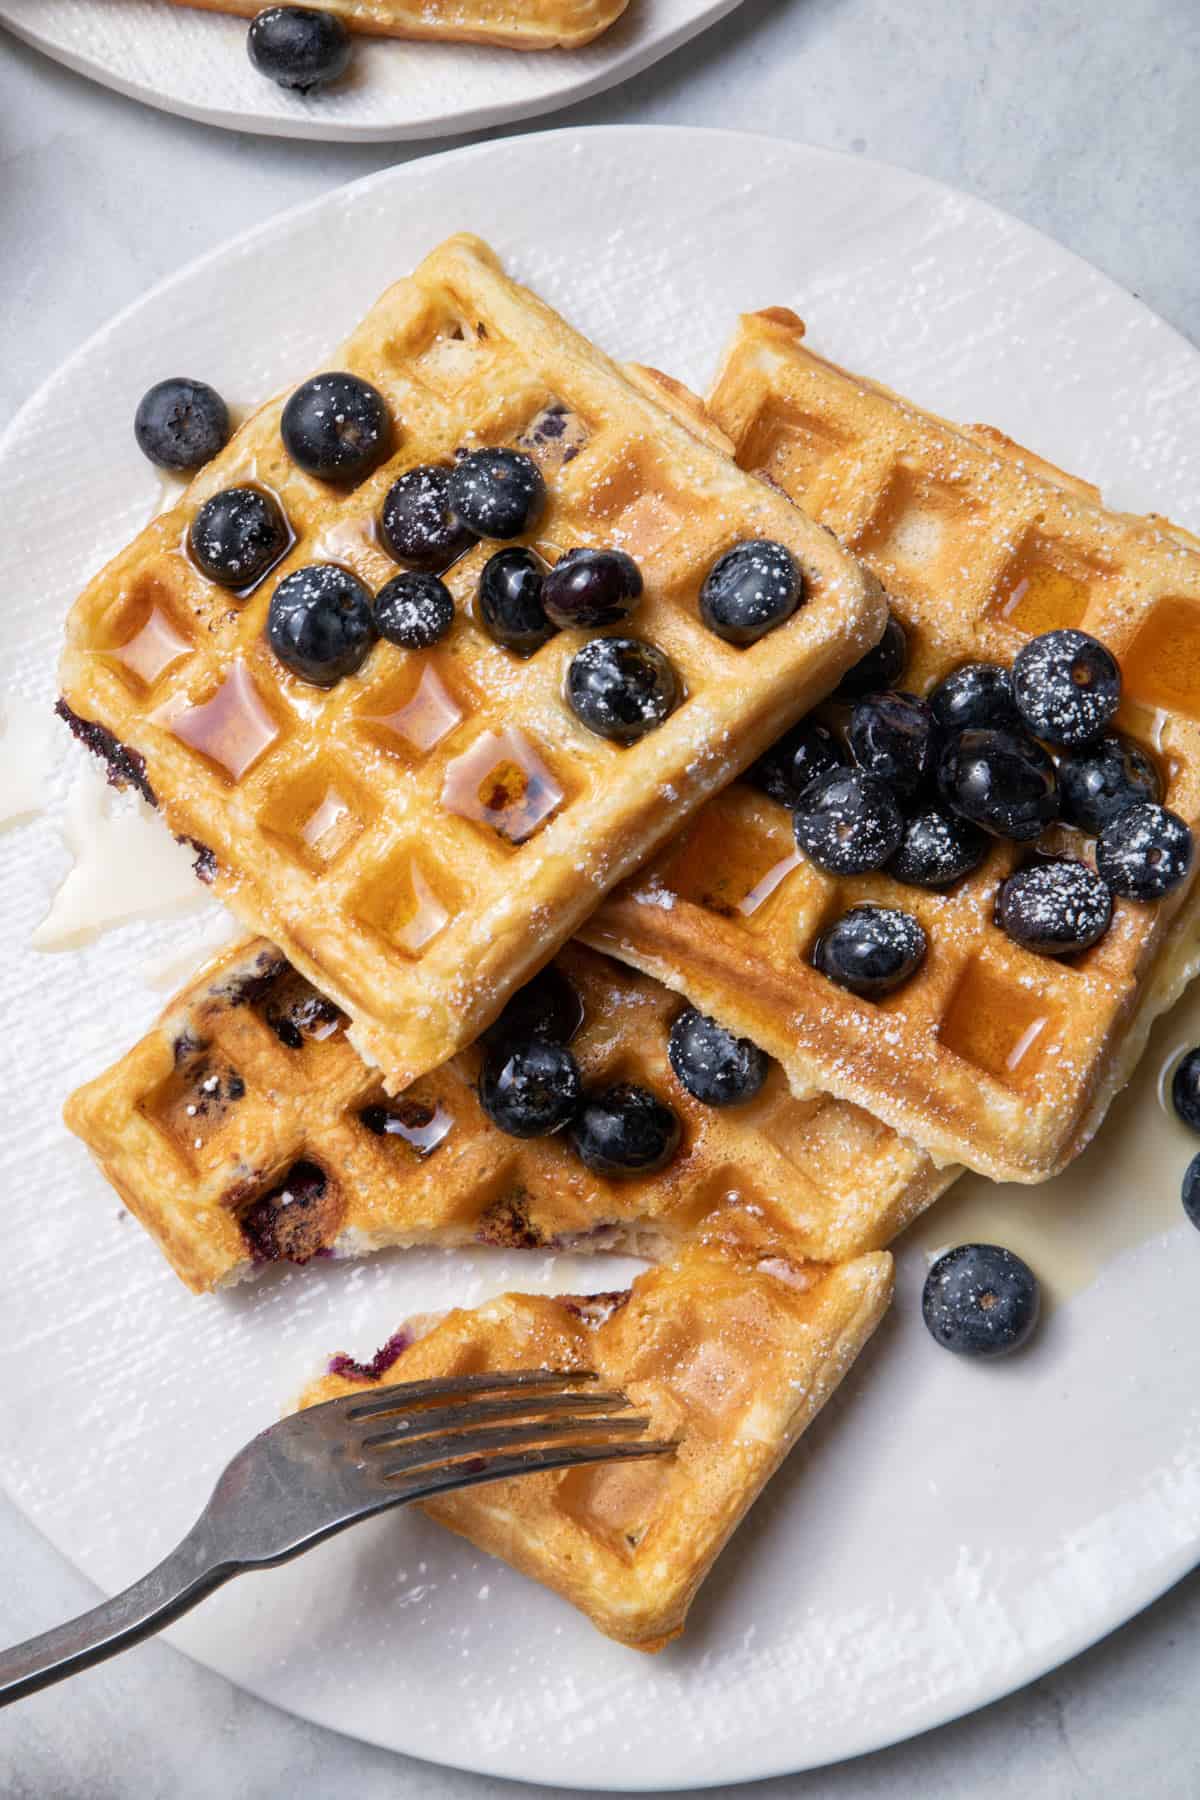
(1123, 1190)
(30, 738)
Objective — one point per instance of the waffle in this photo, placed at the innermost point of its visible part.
(730, 1348)
(513, 24)
(991, 1056)
(422, 837)
(244, 1127)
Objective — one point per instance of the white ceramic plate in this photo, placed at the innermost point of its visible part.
(945, 1532)
(195, 63)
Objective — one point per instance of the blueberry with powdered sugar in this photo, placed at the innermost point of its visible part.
(418, 522)
(871, 950)
(1144, 852)
(414, 610)
(1055, 908)
(880, 668)
(1067, 687)
(621, 688)
(937, 849)
(320, 623)
(750, 590)
(337, 427)
(716, 1067)
(1104, 779)
(891, 736)
(795, 761)
(976, 696)
(237, 536)
(498, 493)
(848, 822)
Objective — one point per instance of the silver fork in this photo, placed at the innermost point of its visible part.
(329, 1466)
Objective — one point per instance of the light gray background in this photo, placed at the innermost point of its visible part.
(1081, 119)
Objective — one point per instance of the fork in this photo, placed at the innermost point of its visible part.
(329, 1466)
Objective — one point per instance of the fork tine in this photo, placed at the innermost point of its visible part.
(430, 1452)
(500, 1466)
(424, 1422)
(402, 1395)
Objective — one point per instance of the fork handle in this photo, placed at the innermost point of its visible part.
(171, 1589)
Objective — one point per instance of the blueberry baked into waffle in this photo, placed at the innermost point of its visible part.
(441, 645)
(512, 24)
(959, 895)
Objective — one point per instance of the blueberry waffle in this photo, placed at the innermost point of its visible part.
(513, 24)
(420, 816)
(730, 1347)
(244, 1129)
(913, 904)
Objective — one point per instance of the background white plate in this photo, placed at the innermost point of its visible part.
(944, 1533)
(195, 63)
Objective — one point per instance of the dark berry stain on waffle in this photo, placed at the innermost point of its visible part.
(125, 767)
(295, 1010)
(350, 1369)
(415, 1122)
(507, 1224)
(594, 1310)
(205, 865)
(295, 1221)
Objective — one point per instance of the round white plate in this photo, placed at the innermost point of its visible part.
(195, 63)
(945, 1532)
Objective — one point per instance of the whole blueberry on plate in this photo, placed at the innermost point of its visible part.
(976, 696)
(510, 600)
(1191, 1191)
(320, 623)
(336, 426)
(1101, 780)
(530, 1087)
(750, 590)
(419, 524)
(1185, 1090)
(625, 1130)
(714, 1065)
(548, 1006)
(591, 588)
(1000, 780)
(238, 535)
(298, 47)
(1055, 908)
(937, 849)
(891, 736)
(414, 609)
(181, 424)
(795, 761)
(880, 668)
(498, 493)
(871, 950)
(848, 822)
(980, 1300)
(621, 688)
(1067, 687)
(1144, 852)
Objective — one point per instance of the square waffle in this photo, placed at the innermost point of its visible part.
(244, 1128)
(513, 24)
(731, 1347)
(361, 828)
(990, 1056)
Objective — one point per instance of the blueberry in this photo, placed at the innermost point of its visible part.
(298, 47)
(1185, 1090)
(750, 590)
(181, 424)
(871, 949)
(937, 848)
(980, 1300)
(237, 536)
(1067, 687)
(498, 493)
(337, 427)
(510, 600)
(625, 1130)
(419, 524)
(1000, 780)
(546, 1007)
(621, 688)
(1144, 852)
(891, 735)
(795, 761)
(1055, 907)
(414, 609)
(978, 696)
(530, 1087)
(1191, 1192)
(320, 624)
(880, 668)
(848, 822)
(592, 588)
(1101, 780)
(714, 1066)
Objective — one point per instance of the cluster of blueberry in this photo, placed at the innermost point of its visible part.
(323, 620)
(918, 788)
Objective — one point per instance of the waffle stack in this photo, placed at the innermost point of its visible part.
(991, 1056)
(513, 24)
